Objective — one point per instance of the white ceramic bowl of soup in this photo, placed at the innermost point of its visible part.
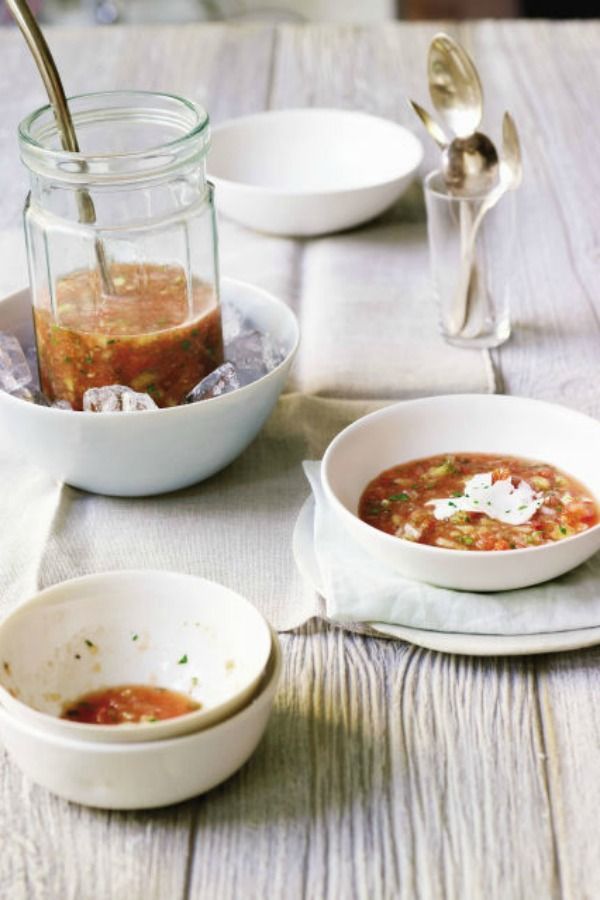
(139, 453)
(153, 628)
(142, 775)
(306, 172)
(417, 429)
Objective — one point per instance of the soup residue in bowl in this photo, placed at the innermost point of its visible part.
(129, 703)
(478, 501)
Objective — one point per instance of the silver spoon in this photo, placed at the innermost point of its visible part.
(511, 175)
(47, 67)
(470, 161)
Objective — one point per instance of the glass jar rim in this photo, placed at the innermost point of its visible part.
(80, 166)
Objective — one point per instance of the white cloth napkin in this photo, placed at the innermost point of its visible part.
(358, 588)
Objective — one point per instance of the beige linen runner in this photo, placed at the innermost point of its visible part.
(369, 336)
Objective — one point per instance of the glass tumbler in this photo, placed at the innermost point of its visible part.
(472, 261)
(122, 247)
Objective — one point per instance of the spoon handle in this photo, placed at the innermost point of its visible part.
(47, 67)
(433, 129)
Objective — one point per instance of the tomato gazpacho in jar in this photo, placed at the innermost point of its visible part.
(478, 501)
(122, 247)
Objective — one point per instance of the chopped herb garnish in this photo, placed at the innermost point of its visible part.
(401, 496)
(456, 493)
(151, 388)
(78, 656)
(89, 643)
(134, 637)
(522, 507)
(450, 503)
(186, 345)
(152, 719)
(562, 529)
(183, 660)
(88, 360)
(194, 681)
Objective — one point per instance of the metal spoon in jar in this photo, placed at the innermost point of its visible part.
(511, 175)
(47, 67)
(470, 161)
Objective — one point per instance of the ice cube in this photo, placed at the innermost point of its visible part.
(14, 368)
(32, 358)
(253, 354)
(222, 381)
(232, 322)
(31, 395)
(116, 398)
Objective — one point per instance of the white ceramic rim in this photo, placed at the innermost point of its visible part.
(177, 410)
(425, 549)
(412, 141)
(274, 668)
(38, 599)
(461, 643)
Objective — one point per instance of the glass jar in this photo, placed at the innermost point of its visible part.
(122, 247)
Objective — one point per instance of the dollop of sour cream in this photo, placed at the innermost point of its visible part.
(500, 500)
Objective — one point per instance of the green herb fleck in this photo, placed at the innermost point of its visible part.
(401, 496)
(134, 637)
(89, 643)
(88, 360)
(186, 345)
(456, 493)
(183, 660)
(152, 719)
(111, 341)
(68, 359)
(562, 529)
(78, 656)
(450, 503)
(194, 681)
(151, 389)
(519, 508)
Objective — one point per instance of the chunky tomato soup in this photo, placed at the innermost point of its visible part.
(151, 335)
(476, 501)
(129, 703)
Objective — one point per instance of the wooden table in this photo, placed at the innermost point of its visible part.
(387, 770)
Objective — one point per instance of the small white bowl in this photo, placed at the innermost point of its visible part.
(305, 172)
(145, 775)
(464, 424)
(140, 453)
(132, 627)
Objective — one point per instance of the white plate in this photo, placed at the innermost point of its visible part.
(310, 171)
(447, 642)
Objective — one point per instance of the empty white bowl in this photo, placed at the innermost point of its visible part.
(464, 424)
(142, 775)
(310, 171)
(139, 453)
(132, 627)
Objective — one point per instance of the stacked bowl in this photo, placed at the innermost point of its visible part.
(154, 628)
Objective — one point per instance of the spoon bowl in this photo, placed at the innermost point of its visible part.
(454, 85)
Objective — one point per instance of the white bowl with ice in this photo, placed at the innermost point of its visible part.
(152, 451)
(304, 172)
